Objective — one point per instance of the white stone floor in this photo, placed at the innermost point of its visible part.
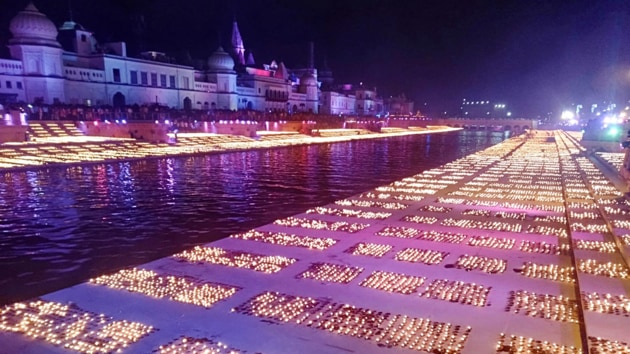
(506, 191)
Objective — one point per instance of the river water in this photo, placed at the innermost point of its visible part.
(60, 226)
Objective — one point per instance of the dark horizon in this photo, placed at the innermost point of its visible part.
(535, 56)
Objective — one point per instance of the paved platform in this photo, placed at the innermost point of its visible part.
(522, 247)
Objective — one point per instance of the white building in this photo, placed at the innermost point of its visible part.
(67, 65)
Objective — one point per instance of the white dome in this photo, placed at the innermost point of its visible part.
(308, 80)
(220, 60)
(30, 26)
(71, 25)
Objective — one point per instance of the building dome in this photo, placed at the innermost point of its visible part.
(220, 60)
(30, 26)
(71, 25)
(308, 80)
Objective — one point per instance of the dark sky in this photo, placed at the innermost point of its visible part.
(536, 56)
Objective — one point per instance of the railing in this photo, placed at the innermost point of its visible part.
(13, 67)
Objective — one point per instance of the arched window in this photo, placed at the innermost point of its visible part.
(187, 104)
(118, 100)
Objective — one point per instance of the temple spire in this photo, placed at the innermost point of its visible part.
(311, 55)
(238, 47)
(250, 59)
(70, 10)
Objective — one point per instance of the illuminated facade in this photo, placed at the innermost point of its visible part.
(51, 65)
(398, 105)
(347, 100)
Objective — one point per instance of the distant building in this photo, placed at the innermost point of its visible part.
(68, 65)
(398, 105)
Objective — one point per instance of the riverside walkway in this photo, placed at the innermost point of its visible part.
(70, 146)
(520, 248)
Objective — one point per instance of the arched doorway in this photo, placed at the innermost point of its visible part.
(250, 105)
(118, 100)
(187, 104)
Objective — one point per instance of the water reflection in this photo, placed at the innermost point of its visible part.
(63, 225)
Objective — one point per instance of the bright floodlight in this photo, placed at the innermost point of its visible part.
(567, 115)
(613, 131)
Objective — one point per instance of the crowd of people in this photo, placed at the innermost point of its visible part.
(68, 112)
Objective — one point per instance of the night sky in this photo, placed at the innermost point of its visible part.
(536, 56)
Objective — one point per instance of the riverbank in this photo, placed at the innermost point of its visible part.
(72, 150)
(522, 246)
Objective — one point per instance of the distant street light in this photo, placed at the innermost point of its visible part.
(567, 115)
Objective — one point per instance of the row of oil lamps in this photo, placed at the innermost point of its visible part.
(420, 219)
(390, 189)
(331, 272)
(546, 230)
(520, 344)
(599, 246)
(393, 282)
(457, 291)
(606, 346)
(435, 209)
(350, 213)
(607, 303)
(237, 259)
(491, 242)
(369, 249)
(384, 329)
(548, 271)
(284, 239)
(590, 228)
(552, 307)
(321, 224)
(398, 231)
(485, 264)
(444, 237)
(372, 204)
(482, 225)
(180, 289)
(607, 269)
(415, 255)
(189, 345)
(71, 327)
